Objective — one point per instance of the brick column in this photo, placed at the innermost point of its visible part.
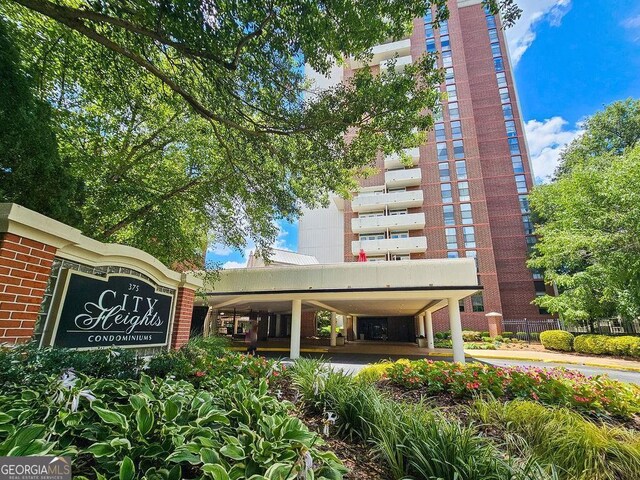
(25, 266)
(182, 320)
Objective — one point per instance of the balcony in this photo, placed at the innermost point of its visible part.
(411, 221)
(403, 178)
(401, 62)
(390, 245)
(371, 203)
(393, 161)
(386, 51)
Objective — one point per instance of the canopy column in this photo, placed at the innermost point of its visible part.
(455, 324)
(296, 326)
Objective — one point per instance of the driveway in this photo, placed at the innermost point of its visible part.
(354, 362)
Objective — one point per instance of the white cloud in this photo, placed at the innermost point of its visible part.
(228, 265)
(220, 249)
(534, 12)
(546, 141)
(633, 25)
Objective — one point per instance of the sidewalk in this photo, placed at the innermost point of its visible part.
(384, 349)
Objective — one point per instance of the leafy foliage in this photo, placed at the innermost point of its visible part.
(603, 345)
(163, 429)
(32, 172)
(587, 221)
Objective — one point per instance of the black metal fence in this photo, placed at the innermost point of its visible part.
(612, 326)
(529, 330)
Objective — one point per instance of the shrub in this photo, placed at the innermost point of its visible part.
(485, 333)
(373, 373)
(581, 449)
(557, 340)
(507, 334)
(27, 364)
(521, 335)
(498, 338)
(487, 339)
(471, 336)
(443, 335)
(603, 345)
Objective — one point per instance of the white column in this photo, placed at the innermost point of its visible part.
(296, 322)
(278, 324)
(354, 321)
(334, 324)
(429, 327)
(455, 324)
(420, 326)
(235, 323)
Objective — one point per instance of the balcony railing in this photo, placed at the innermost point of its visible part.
(410, 221)
(403, 178)
(393, 161)
(401, 62)
(386, 51)
(390, 245)
(395, 200)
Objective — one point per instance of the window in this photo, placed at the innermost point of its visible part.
(400, 257)
(397, 189)
(502, 79)
(524, 203)
(498, 64)
(450, 236)
(442, 151)
(454, 111)
(371, 214)
(445, 43)
(445, 175)
(465, 213)
(521, 184)
(456, 129)
(398, 211)
(452, 254)
(504, 95)
(514, 146)
(372, 236)
(452, 94)
(448, 76)
(461, 305)
(447, 61)
(447, 213)
(511, 128)
(444, 27)
(437, 113)
(472, 254)
(495, 50)
(428, 16)
(376, 259)
(516, 161)
(431, 45)
(493, 35)
(469, 236)
(461, 169)
(441, 136)
(528, 225)
(445, 191)
(507, 111)
(399, 235)
(537, 275)
(369, 193)
(531, 242)
(463, 191)
(428, 30)
(491, 21)
(477, 302)
(458, 149)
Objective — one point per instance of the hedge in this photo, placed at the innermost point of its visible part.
(626, 346)
(557, 340)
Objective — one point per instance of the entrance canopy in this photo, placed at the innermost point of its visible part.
(402, 288)
(355, 288)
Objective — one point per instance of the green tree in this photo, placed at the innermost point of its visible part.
(193, 118)
(588, 221)
(32, 173)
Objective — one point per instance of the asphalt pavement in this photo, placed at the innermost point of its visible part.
(354, 362)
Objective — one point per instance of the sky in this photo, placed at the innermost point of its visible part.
(570, 59)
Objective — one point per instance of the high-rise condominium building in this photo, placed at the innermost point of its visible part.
(465, 194)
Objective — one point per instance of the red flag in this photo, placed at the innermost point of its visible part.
(362, 257)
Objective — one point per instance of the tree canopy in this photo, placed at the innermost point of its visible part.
(588, 221)
(193, 118)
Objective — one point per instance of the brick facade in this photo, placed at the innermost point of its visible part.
(25, 266)
(182, 319)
